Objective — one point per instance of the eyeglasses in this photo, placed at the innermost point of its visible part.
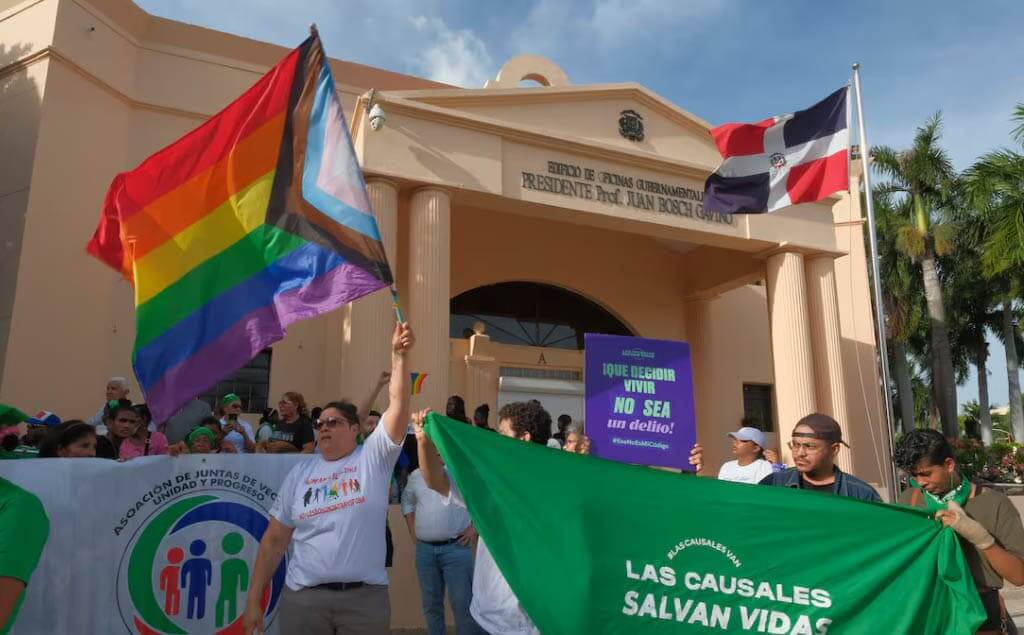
(809, 448)
(330, 422)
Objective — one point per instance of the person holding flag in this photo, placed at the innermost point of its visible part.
(494, 606)
(815, 446)
(989, 525)
(331, 510)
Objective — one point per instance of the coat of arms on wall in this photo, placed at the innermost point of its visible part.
(631, 125)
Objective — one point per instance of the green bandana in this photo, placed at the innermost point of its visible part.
(201, 431)
(10, 416)
(934, 503)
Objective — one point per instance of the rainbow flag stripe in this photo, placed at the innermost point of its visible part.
(417, 382)
(255, 220)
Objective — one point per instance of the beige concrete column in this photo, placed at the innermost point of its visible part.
(370, 321)
(700, 336)
(826, 347)
(791, 344)
(428, 295)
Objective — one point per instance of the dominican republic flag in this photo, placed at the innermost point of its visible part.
(801, 157)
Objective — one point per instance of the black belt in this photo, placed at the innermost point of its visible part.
(339, 586)
(439, 543)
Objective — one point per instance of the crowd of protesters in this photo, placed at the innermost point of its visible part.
(333, 587)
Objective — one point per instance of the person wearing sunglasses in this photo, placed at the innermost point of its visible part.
(815, 445)
(332, 509)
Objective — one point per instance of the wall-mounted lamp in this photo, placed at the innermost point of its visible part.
(375, 113)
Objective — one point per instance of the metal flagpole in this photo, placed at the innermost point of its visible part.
(883, 348)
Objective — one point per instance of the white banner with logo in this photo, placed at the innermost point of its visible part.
(154, 546)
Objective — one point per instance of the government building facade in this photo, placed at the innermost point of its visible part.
(516, 217)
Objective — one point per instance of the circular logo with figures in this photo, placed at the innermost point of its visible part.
(777, 160)
(188, 567)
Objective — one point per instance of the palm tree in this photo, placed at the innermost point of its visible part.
(902, 301)
(970, 415)
(923, 176)
(971, 300)
(995, 185)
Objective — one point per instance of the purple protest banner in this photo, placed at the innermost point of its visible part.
(639, 400)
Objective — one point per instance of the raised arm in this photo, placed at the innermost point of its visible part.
(247, 439)
(396, 418)
(431, 466)
(367, 405)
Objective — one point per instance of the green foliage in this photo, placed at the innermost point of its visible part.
(920, 183)
(995, 188)
(903, 298)
(1002, 431)
(1018, 116)
(998, 463)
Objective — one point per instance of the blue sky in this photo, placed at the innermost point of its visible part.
(722, 60)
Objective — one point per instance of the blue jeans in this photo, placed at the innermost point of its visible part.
(443, 566)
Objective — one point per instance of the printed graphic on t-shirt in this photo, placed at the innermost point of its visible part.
(330, 493)
(279, 435)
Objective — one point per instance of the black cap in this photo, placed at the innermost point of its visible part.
(825, 428)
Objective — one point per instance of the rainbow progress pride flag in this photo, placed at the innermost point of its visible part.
(254, 221)
(417, 382)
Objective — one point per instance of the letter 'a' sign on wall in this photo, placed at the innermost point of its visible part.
(639, 400)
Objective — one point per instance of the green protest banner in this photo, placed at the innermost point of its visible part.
(593, 546)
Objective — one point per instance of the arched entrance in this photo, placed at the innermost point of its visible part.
(531, 314)
(525, 341)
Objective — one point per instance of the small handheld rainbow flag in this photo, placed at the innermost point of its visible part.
(417, 382)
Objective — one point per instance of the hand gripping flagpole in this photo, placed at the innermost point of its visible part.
(396, 306)
(883, 348)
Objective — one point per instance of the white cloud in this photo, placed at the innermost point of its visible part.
(618, 22)
(374, 32)
(456, 57)
(562, 28)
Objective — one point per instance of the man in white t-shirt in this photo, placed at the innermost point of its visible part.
(332, 508)
(494, 607)
(750, 466)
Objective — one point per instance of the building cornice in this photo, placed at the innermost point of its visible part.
(52, 53)
(560, 94)
(573, 145)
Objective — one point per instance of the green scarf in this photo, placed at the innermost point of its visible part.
(201, 431)
(934, 503)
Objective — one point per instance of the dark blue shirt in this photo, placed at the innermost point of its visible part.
(845, 484)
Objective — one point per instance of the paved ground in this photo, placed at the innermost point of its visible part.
(1014, 596)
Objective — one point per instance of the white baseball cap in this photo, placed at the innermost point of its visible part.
(749, 434)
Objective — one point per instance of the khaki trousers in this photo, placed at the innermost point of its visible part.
(313, 611)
